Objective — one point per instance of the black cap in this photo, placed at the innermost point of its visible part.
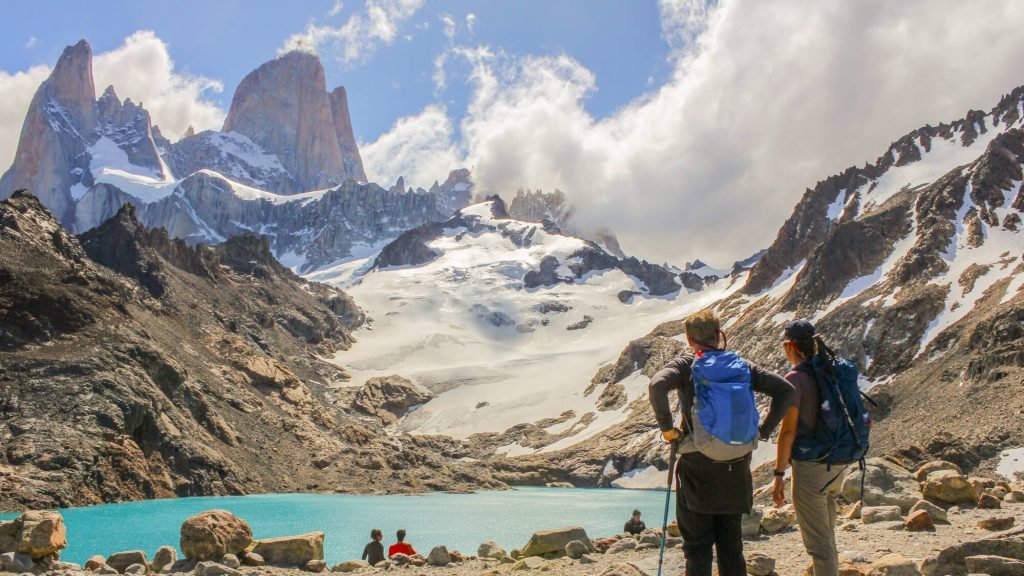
(636, 512)
(799, 330)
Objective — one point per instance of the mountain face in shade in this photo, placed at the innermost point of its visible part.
(346, 138)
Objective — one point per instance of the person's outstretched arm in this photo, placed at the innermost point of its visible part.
(781, 393)
(669, 378)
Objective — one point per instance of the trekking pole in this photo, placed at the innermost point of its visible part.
(668, 497)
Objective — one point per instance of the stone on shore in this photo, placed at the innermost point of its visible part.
(624, 545)
(994, 566)
(776, 520)
(650, 537)
(575, 550)
(760, 564)
(230, 560)
(252, 559)
(894, 565)
(315, 566)
(491, 549)
(16, 562)
(136, 569)
(212, 534)
(121, 560)
(919, 521)
(989, 502)
(41, 533)
(350, 566)
(997, 524)
(673, 529)
(953, 560)
(622, 569)
(935, 466)
(400, 559)
(528, 563)
(548, 541)
(1014, 496)
(948, 486)
(885, 483)
(439, 556)
(936, 512)
(164, 557)
(875, 514)
(751, 524)
(291, 550)
(209, 568)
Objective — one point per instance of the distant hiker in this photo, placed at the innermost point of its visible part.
(720, 419)
(374, 550)
(401, 547)
(634, 525)
(828, 427)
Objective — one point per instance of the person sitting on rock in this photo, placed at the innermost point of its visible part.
(634, 525)
(374, 550)
(401, 547)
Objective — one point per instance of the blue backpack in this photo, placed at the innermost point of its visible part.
(724, 418)
(842, 433)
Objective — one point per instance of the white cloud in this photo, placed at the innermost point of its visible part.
(16, 91)
(336, 8)
(140, 69)
(470, 22)
(449, 25)
(359, 37)
(417, 147)
(765, 99)
(31, 43)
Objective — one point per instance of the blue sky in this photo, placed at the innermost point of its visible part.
(620, 42)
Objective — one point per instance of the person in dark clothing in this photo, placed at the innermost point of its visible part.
(634, 525)
(711, 496)
(374, 550)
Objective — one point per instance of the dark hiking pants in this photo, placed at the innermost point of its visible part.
(701, 532)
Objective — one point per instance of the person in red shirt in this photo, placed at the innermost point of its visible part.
(401, 547)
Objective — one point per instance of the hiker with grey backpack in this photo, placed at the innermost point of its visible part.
(823, 433)
(716, 437)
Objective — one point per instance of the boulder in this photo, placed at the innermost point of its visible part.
(350, 566)
(981, 484)
(212, 534)
(988, 501)
(919, 521)
(252, 559)
(624, 545)
(400, 559)
(208, 568)
(457, 556)
(645, 546)
(1014, 496)
(994, 566)
(164, 557)
(389, 398)
(528, 563)
(759, 564)
(885, 483)
(751, 524)
(107, 570)
(948, 486)
(776, 520)
(41, 533)
(439, 556)
(851, 569)
(575, 549)
(650, 537)
(230, 560)
(291, 550)
(383, 565)
(953, 560)
(95, 562)
(893, 565)
(936, 512)
(136, 569)
(491, 549)
(121, 560)
(935, 466)
(548, 541)
(9, 536)
(16, 562)
(673, 529)
(588, 559)
(875, 514)
(315, 566)
(183, 565)
(996, 524)
(621, 569)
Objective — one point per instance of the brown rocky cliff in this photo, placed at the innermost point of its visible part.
(283, 106)
(346, 138)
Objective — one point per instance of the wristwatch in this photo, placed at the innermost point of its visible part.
(780, 474)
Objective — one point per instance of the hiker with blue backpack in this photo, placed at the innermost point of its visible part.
(718, 433)
(823, 432)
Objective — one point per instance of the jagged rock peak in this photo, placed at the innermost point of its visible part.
(71, 84)
(346, 137)
(283, 107)
(189, 132)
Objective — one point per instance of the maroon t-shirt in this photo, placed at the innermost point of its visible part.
(806, 400)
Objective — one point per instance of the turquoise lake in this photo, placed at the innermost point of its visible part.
(459, 521)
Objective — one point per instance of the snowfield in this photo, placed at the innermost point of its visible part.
(495, 353)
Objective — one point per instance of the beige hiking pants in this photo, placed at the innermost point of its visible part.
(815, 489)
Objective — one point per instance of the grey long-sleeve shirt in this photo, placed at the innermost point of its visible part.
(707, 486)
